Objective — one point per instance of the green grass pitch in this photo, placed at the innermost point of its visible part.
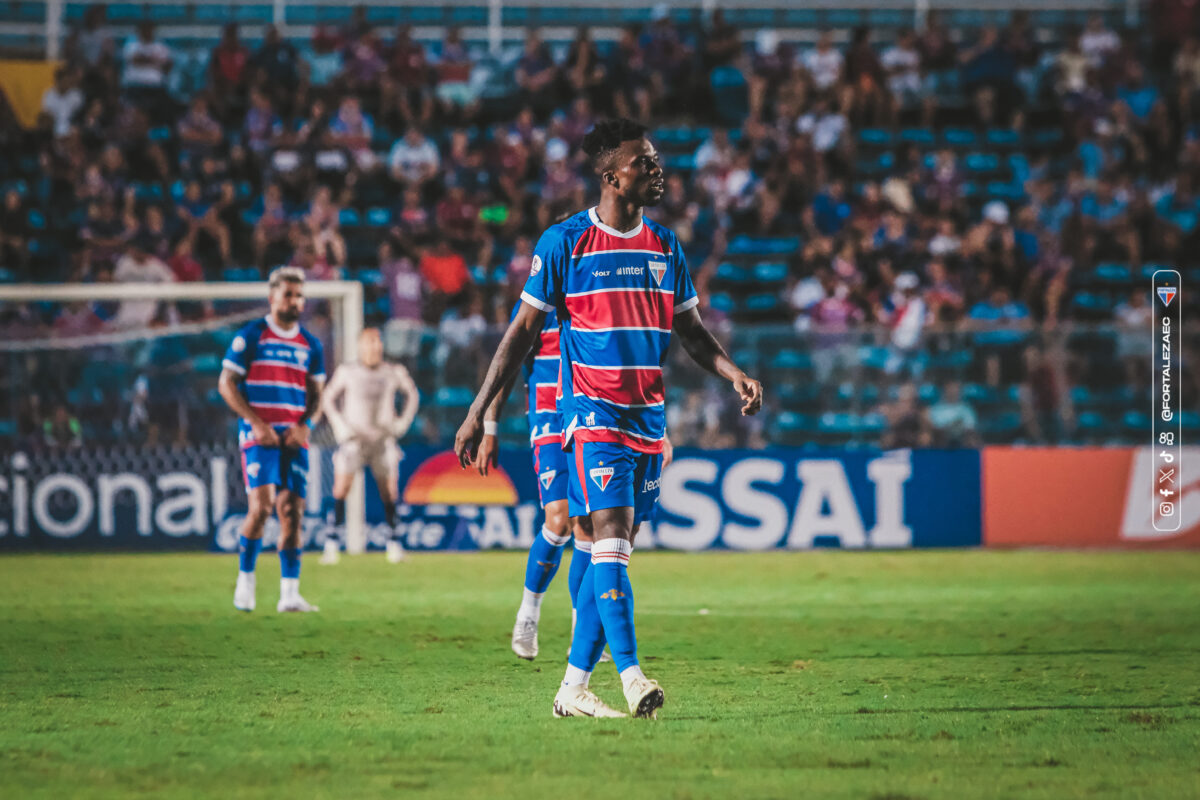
(828, 674)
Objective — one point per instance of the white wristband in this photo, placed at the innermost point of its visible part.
(490, 427)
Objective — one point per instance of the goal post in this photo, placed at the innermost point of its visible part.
(346, 311)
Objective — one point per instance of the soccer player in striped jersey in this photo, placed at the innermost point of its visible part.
(620, 286)
(360, 404)
(272, 377)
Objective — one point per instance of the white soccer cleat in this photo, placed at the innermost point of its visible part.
(295, 604)
(243, 593)
(395, 552)
(332, 554)
(645, 698)
(524, 638)
(580, 701)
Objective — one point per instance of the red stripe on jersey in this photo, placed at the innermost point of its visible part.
(548, 438)
(629, 387)
(622, 309)
(548, 346)
(297, 341)
(277, 372)
(616, 437)
(582, 478)
(544, 397)
(594, 239)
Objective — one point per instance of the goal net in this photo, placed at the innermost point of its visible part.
(110, 392)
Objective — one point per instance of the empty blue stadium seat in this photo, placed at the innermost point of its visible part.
(379, 216)
(762, 303)
(763, 245)
(922, 137)
(349, 217)
(875, 137)
(981, 162)
(770, 272)
(454, 397)
(960, 137)
(721, 301)
(1114, 274)
(731, 273)
(791, 421)
(793, 360)
(1003, 137)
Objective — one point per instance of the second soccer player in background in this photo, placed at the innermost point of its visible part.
(360, 404)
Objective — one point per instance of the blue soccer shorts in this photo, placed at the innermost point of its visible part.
(606, 475)
(550, 464)
(285, 467)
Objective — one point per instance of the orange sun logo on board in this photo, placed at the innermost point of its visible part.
(440, 481)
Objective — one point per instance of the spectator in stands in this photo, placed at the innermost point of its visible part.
(272, 227)
(104, 235)
(458, 98)
(414, 161)
(908, 422)
(276, 66)
(147, 64)
(953, 420)
(313, 261)
(63, 430)
(902, 64)
(629, 77)
(1001, 324)
(939, 57)
(1097, 42)
(321, 224)
(537, 74)
(201, 214)
(63, 101)
(1044, 397)
(199, 134)
(866, 100)
(413, 222)
(363, 65)
(1140, 96)
(722, 42)
(667, 59)
(404, 87)
(563, 191)
(584, 70)
(989, 74)
(15, 233)
(228, 69)
(824, 63)
(92, 46)
(137, 265)
(352, 129)
(445, 273)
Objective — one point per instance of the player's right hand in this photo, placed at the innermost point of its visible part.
(488, 455)
(264, 435)
(466, 441)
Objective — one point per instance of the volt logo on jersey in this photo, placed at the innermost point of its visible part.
(601, 476)
(658, 269)
(1166, 294)
(547, 478)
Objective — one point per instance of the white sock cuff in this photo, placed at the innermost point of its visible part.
(585, 547)
(611, 551)
(555, 541)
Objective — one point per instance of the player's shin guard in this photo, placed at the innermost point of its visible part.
(614, 598)
(544, 557)
(587, 643)
(248, 553)
(581, 559)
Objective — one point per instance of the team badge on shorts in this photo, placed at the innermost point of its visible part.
(252, 469)
(547, 478)
(602, 475)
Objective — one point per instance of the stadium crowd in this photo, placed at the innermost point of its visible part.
(937, 183)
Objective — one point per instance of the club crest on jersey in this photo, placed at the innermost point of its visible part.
(252, 470)
(547, 478)
(658, 269)
(1166, 294)
(535, 266)
(602, 475)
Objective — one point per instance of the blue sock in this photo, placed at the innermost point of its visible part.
(588, 642)
(614, 599)
(580, 560)
(544, 557)
(248, 553)
(289, 563)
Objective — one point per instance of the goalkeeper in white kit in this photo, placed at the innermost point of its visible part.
(360, 404)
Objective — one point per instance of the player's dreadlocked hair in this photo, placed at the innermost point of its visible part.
(606, 137)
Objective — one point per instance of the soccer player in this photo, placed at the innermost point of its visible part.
(620, 286)
(272, 379)
(367, 428)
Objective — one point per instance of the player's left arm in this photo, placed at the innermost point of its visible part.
(314, 383)
(412, 399)
(706, 351)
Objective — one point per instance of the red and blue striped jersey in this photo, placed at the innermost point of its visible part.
(616, 295)
(276, 364)
(541, 382)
